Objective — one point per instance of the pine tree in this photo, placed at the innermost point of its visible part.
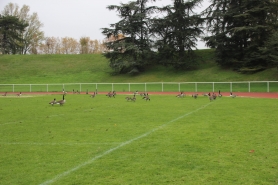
(178, 31)
(238, 29)
(132, 51)
(11, 29)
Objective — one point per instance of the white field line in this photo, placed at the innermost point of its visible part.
(8, 123)
(15, 122)
(69, 144)
(25, 96)
(88, 110)
(55, 115)
(90, 161)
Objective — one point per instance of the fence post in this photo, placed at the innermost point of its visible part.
(46, 87)
(80, 87)
(30, 87)
(212, 86)
(145, 87)
(267, 86)
(231, 87)
(162, 86)
(196, 88)
(248, 86)
(128, 87)
(13, 87)
(179, 87)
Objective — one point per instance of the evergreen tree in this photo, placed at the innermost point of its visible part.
(132, 51)
(261, 24)
(238, 29)
(270, 50)
(11, 30)
(178, 31)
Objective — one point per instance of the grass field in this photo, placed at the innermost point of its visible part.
(103, 140)
(167, 140)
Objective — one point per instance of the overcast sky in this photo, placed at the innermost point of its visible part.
(76, 19)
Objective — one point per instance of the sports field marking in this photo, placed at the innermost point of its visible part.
(8, 123)
(90, 161)
(15, 122)
(69, 144)
(55, 115)
(25, 96)
(88, 110)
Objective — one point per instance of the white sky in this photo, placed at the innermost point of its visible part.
(77, 18)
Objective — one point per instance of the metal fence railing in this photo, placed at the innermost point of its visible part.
(244, 86)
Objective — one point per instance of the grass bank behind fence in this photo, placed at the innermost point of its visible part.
(94, 68)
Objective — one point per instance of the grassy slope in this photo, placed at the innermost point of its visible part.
(94, 68)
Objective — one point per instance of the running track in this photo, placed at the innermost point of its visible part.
(240, 94)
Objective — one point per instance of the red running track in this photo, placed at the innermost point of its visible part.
(240, 94)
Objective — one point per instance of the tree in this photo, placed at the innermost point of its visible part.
(51, 45)
(94, 46)
(270, 50)
(84, 45)
(133, 52)
(69, 45)
(11, 29)
(239, 28)
(260, 24)
(218, 20)
(178, 31)
(32, 35)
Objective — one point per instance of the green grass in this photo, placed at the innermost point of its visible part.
(167, 140)
(52, 68)
(42, 70)
(111, 141)
(93, 68)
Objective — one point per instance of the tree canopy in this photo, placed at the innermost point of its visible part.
(132, 52)
(242, 32)
(173, 36)
(237, 29)
(11, 30)
(178, 31)
(32, 35)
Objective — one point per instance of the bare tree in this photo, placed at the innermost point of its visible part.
(69, 45)
(84, 45)
(32, 35)
(51, 45)
(74, 46)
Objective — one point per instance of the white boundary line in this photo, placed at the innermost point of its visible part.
(13, 122)
(59, 176)
(15, 96)
(19, 122)
(69, 144)
(55, 115)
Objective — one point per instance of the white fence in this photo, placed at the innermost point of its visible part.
(246, 86)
